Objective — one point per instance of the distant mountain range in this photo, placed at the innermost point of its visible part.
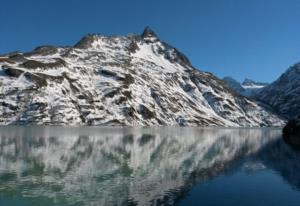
(283, 95)
(122, 80)
(248, 87)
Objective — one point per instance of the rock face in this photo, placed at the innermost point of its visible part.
(291, 133)
(284, 93)
(119, 80)
(234, 85)
(248, 88)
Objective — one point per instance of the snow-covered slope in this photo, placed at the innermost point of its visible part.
(248, 88)
(284, 93)
(119, 80)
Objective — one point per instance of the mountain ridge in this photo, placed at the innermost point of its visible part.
(283, 93)
(248, 87)
(119, 80)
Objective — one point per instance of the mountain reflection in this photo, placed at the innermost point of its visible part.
(131, 166)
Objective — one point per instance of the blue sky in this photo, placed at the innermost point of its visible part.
(258, 39)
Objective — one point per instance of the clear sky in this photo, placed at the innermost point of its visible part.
(258, 39)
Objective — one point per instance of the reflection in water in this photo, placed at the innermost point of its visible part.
(130, 166)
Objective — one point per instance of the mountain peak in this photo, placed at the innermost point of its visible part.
(250, 82)
(119, 80)
(148, 32)
(248, 88)
(86, 41)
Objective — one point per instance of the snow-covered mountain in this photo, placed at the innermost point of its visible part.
(119, 80)
(248, 87)
(284, 93)
(248, 83)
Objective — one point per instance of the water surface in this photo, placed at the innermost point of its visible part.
(146, 166)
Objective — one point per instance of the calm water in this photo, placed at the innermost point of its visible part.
(146, 166)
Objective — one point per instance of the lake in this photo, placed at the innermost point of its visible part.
(41, 165)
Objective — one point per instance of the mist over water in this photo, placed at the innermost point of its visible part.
(140, 166)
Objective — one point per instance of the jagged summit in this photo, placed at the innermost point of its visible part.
(248, 88)
(148, 33)
(250, 82)
(86, 41)
(133, 43)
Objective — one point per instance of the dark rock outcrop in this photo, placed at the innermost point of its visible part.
(291, 133)
(12, 72)
(148, 32)
(43, 50)
(86, 41)
(33, 64)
